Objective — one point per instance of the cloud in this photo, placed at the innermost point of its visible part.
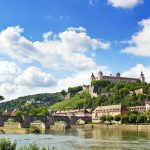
(136, 71)
(8, 71)
(66, 50)
(15, 82)
(34, 77)
(139, 44)
(126, 4)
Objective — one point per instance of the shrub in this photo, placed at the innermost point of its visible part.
(117, 118)
(103, 118)
(109, 118)
(34, 130)
(141, 118)
(125, 119)
(6, 144)
(133, 118)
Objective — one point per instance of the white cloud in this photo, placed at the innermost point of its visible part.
(68, 50)
(7, 88)
(136, 71)
(47, 35)
(126, 4)
(34, 77)
(8, 71)
(140, 42)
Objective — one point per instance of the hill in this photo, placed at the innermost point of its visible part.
(108, 93)
(36, 100)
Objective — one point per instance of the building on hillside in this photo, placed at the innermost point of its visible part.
(111, 110)
(140, 109)
(117, 78)
(147, 105)
(75, 112)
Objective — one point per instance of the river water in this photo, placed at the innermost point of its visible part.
(80, 139)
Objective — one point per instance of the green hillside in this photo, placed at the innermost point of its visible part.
(77, 101)
(108, 93)
(37, 100)
(127, 94)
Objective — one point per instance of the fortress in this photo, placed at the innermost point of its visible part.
(117, 78)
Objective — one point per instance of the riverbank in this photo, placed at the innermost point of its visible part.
(134, 127)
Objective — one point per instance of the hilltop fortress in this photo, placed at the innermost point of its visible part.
(111, 78)
(117, 78)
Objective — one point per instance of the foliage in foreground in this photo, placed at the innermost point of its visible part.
(6, 144)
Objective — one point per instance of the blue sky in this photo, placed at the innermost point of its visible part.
(48, 45)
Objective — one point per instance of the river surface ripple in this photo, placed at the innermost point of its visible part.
(79, 139)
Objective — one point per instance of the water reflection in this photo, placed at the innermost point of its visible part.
(80, 139)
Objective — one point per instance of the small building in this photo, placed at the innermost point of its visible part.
(111, 110)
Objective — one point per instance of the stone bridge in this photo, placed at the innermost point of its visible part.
(25, 121)
(47, 120)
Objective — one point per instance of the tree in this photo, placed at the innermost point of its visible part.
(64, 93)
(141, 118)
(1, 98)
(109, 118)
(117, 118)
(103, 118)
(133, 118)
(125, 119)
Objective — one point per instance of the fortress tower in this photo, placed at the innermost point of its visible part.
(142, 78)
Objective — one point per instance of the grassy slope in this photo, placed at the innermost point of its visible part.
(71, 103)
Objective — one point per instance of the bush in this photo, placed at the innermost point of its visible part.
(133, 118)
(141, 118)
(6, 144)
(125, 119)
(34, 130)
(117, 118)
(109, 118)
(103, 118)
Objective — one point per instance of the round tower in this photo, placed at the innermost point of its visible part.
(142, 78)
(100, 75)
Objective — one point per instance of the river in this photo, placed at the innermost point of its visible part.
(79, 139)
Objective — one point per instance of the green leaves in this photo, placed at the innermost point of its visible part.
(6, 144)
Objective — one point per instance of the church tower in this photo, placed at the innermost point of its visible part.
(142, 78)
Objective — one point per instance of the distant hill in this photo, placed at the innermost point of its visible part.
(44, 99)
(108, 93)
